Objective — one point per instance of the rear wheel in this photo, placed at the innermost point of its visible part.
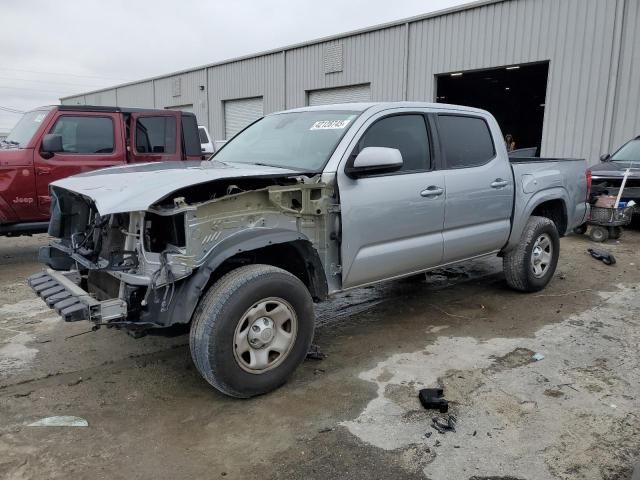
(615, 232)
(598, 233)
(251, 330)
(530, 266)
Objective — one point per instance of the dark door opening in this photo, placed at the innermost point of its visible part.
(515, 95)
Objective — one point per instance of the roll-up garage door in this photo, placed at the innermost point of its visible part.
(240, 113)
(355, 93)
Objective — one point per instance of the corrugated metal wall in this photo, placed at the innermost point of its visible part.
(375, 57)
(593, 89)
(254, 77)
(626, 111)
(184, 89)
(137, 95)
(575, 35)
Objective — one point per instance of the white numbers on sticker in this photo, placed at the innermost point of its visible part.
(329, 124)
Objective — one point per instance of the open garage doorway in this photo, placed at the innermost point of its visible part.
(515, 95)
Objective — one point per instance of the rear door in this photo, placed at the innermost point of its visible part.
(91, 140)
(392, 223)
(479, 186)
(155, 136)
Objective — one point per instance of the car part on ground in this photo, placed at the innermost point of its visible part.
(606, 257)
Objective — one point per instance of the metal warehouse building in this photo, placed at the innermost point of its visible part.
(559, 75)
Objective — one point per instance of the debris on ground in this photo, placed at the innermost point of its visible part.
(60, 421)
(432, 398)
(314, 353)
(604, 256)
(442, 425)
(23, 394)
(536, 357)
(326, 430)
(75, 382)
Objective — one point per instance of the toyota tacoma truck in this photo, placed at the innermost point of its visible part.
(50, 143)
(298, 206)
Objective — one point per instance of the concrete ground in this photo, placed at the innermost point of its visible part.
(575, 414)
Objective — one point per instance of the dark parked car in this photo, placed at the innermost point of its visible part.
(607, 176)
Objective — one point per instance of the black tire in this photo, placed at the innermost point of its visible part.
(581, 230)
(615, 232)
(598, 234)
(224, 305)
(517, 265)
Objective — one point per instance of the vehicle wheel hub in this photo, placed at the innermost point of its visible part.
(541, 255)
(261, 333)
(265, 335)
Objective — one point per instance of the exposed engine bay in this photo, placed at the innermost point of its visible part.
(138, 261)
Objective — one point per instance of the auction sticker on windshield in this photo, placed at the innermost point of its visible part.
(329, 124)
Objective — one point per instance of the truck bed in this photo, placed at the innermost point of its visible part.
(537, 179)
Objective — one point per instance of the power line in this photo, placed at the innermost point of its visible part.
(64, 92)
(64, 74)
(50, 81)
(10, 110)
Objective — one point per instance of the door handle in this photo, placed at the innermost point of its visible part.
(43, 171)
(499, 183)
(432, 191)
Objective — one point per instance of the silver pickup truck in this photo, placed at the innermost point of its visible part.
(300, 205)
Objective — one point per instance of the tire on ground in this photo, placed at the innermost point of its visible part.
(220, 310)
(517, 262)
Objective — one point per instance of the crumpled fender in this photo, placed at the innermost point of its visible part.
(189, 291)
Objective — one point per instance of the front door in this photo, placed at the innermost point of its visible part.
(90, 140)
(392, 223)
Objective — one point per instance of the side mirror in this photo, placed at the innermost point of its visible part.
(51, 143)
(605, 158)
(372, 160)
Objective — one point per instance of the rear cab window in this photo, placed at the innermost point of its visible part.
(190, 138)
(203, 135)
(155, 134)
(404, 132)
(85, 134)
(466, 140)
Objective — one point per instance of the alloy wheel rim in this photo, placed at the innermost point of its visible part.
(265, 335)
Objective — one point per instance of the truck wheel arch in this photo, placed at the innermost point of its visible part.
(545, 203)
(231, 253)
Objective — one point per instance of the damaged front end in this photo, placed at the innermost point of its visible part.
(128, 269)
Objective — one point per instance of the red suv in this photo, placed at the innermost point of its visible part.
(53, 142)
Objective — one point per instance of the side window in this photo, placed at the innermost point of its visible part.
(85, 134)
(156, 134)
(203, 136)
(407, 133)
(466, 141)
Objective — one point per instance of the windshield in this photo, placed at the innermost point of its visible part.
(298, 140)
(630, 152)
(26, 127)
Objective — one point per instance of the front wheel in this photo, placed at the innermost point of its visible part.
(251, 330)
(530, 266)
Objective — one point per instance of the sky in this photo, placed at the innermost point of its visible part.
(51, 49)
